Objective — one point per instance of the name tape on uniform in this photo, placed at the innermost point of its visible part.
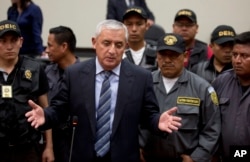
(188, 101)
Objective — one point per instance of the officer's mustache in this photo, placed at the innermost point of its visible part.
(168, 64)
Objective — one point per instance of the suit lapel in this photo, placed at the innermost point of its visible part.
(88, 82)
(124, 88)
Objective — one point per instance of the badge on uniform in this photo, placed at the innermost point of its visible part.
(6, 91)
(28, 74)
(213, 95)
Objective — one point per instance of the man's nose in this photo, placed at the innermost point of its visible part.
(112, 49)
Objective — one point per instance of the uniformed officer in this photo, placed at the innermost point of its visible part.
(221, 43)
(139, 53)
(186, 24)
(197, 138)
(21, 79)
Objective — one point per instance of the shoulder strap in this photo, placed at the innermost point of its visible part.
(150, 55)
(129, 56)
(28, 63)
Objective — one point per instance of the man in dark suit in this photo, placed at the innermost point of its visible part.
(116, 9)
(131, 102)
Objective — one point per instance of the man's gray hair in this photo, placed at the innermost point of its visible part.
(111, 24)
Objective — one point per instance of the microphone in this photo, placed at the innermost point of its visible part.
(74, 124)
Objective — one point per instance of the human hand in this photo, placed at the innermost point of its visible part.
(168, 122)
(48, 155)
(142, 156)
(186, 158)
(36, 115)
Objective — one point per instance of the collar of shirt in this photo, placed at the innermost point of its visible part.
(99, 68)
(114, 81)
(169, 83)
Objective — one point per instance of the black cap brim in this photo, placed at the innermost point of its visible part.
(224, 40)
(133, 13)
(190, 18)
(178, 50)
(10, 31)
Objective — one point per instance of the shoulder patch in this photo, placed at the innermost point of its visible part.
(213, 96)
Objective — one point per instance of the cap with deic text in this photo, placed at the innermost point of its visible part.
(171, 41)
(186, 13)
(9, 26)
(223, 34)
(135, 10)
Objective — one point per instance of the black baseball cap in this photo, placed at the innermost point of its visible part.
(9, 26)
(171, 41)
(135, 10)
(223, 34)
(186, 13)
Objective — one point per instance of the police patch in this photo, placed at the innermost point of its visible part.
(28, 74)
(213, 95)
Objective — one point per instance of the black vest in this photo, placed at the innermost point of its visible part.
(14, 127)
(148, 60)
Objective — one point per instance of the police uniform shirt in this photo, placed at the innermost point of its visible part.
(198, 107)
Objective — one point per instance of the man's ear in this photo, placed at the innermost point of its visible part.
(65, 46)
(197, 28)
(149, 23)
(21, 41)
(185, 56)
(93, 42)
(211, 45)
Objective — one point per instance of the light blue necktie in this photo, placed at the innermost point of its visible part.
(102, 144)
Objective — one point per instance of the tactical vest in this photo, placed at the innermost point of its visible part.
(148, 60)
(14, 127)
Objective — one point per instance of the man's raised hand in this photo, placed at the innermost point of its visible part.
(168, 122)
(36, 115)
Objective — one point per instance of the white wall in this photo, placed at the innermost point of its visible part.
(83, 15)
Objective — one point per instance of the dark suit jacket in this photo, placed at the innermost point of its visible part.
(116, 9)
(136, 102)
